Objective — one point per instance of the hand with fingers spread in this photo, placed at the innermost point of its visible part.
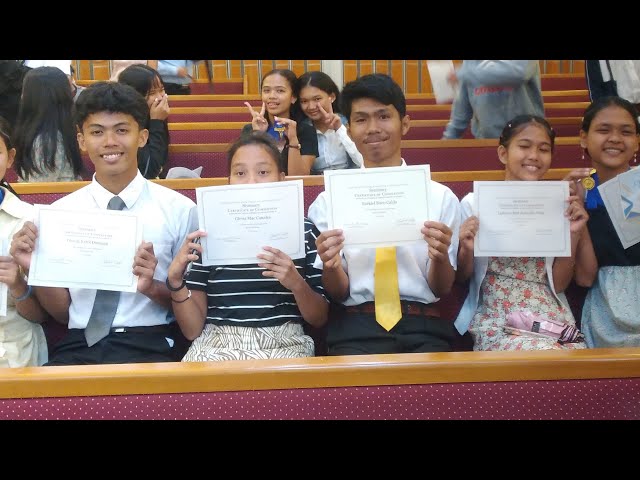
(144, 266)
(279, 265)
(438, 237)
(258, 120)
(159, 108)
(23, 244)
(329, 119)
(329, 244)
(189, 252)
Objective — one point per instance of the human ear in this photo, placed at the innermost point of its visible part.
(502, 154)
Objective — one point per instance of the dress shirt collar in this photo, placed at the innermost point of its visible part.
(403, 164)
(129, 194)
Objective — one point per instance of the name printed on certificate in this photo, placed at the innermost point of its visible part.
(4, 290)
(85, 249)
(378, 207)
(522, 219)
(241, 219)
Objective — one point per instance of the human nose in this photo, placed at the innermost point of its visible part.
(110, 138)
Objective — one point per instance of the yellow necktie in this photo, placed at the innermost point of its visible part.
(386, 291)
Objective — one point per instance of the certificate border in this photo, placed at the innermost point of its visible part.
(565, 251)
(203, 219)
(424, 169)
(34, 279)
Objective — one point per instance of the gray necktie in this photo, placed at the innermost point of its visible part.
(106, 302)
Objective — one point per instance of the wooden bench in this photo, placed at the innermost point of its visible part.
(218, 100)
(596, 384)
(442, 155)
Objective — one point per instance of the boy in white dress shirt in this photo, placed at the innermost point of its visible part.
(376, 109)
(110, 118)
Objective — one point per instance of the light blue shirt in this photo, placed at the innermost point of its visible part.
(168, 70)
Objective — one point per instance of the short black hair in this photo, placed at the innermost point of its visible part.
(378, 86)
(261, 139)
(111, 97)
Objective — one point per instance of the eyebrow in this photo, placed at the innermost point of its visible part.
(259, 164)
(119, 124)
(378, 111)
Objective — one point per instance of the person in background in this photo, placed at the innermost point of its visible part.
(22, 340)
(118, 66)
(110, 119)
(613, 77)
(281, 118)
(44, 135)
(320, 102)
(375, 106)
(176, 75)
(609, 136)
(154, 155)
(12, 73)
(492, 92)
(239, 312)
(502, 286)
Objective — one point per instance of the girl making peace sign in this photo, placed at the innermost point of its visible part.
(280, 118)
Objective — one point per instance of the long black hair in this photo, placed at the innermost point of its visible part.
(5, 135)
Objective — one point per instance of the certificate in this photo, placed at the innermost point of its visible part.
(241, 219)
(439, 71)
(621, 197)
(522, 219)
(85, 249)
(4, 290)
(378, 207)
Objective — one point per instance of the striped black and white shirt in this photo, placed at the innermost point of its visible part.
(241, 295)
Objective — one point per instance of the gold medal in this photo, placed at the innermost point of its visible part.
(588, 182)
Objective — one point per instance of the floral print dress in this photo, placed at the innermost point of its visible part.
(516, 284)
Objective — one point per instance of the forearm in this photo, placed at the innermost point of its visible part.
(313, 306)
(299, 164)
(27, 304)
(159, 293)
(56, 301)
(335, 282)
(586, 269)
(440, 277)
(465, 264)
(190, 314)
(563, 267)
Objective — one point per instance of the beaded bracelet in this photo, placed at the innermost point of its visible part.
(173, 289)
(182, 301)
(25, 295)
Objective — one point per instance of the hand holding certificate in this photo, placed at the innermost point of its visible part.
(241, 219)
(621, 197)
(522, 219)
(85, 249)
(378, 206)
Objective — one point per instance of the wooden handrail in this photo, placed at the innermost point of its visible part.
(308, 180)
(318, 372)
